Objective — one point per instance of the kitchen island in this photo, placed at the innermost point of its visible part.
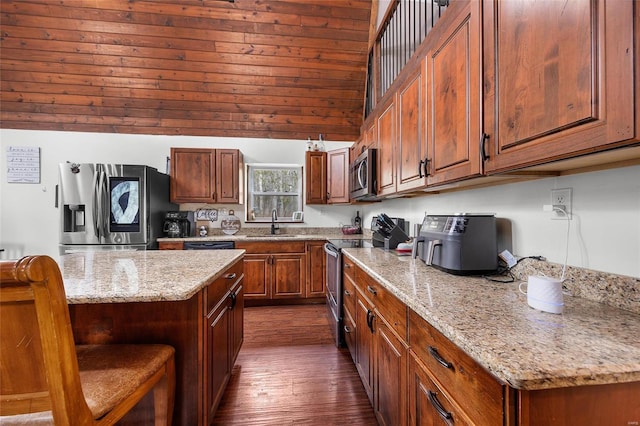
(590, 354)
(191, 300)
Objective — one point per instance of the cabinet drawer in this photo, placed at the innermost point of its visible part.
(348, 294)
(217, 290)
(428, 402)
(348, 268)
(389, 307)
(475, 389)
(271, 247)
(170, 245)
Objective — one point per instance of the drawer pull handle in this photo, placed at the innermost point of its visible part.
(234, 300)
(370, 318)
(347, 330)
(347, 293)
(231, 276)
(371, 290)
(434, 353)
(433, 399)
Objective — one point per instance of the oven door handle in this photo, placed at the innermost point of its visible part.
(331, 250)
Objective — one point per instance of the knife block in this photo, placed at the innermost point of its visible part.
(390, 241)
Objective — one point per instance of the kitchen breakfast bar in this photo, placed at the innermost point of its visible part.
(191, 300)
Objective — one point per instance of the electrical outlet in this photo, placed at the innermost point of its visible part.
(561, 198)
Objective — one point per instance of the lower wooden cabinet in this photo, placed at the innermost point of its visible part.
(205, 330)
(390, 393)
(274, 270)
(224, 332)
(316, 272)
(379, 352)
(428, 404)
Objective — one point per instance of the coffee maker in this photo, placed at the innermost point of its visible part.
(179, 224)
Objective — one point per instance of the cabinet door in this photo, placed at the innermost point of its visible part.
(237, 322)
(316, 274)
(350, 333)
(364, 344)
(411, 150)
(390, 375)
(386, 148)
(316, 177)
(218, 367)
(453, 90)
(559, 79)
(428, 404)
(228, 173)
(338, 176)
(193, 175)
(289, 275)
(257, 276)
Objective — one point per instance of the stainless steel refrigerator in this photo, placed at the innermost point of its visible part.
(111, 206)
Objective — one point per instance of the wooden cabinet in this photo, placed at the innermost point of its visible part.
(202, 175)
(559, 80)
(327, 176)
(316, 272)
(380, 344)
(364, 316)
(462, 383)
(338, 176)
(170, 245)
(224, 332)
(316, 177)
(274, 270)
(453, 96)
(386, 125)
(229, 176)
(205, 330)
(412, 151)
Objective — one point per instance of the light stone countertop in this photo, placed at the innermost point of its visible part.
(141, 276)
(590, 343)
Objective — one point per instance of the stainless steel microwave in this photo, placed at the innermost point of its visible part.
(363, 179)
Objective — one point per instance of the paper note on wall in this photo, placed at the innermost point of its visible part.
(23, 164)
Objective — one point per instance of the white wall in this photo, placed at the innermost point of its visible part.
(604, 234)
(29, 219)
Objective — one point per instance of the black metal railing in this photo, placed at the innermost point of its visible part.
(400, 34)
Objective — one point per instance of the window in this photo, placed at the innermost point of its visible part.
(273, 186)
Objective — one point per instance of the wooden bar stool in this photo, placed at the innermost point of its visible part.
(45, 378)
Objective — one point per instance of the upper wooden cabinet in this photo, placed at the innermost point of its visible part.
(559, 80)
(316, 177)
(386, 125)
(411, 147)
(453, 96)
(327, 176)
(338, 176)
(203, 175)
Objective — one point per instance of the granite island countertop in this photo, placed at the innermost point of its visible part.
(141, 276)
(590, 343)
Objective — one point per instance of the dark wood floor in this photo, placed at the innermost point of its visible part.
(289, 372)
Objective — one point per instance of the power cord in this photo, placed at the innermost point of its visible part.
(505, 271)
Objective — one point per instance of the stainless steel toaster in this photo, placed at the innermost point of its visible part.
(461, 244)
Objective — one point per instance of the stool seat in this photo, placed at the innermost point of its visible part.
(46, 379)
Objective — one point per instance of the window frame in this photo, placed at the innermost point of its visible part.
(299, 192)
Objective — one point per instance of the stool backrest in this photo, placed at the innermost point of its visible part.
(38, 362)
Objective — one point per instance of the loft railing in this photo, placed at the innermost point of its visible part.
(405, 27)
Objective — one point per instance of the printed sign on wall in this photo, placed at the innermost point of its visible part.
(23, 164)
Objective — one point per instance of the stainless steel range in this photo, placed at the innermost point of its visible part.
(333, 250)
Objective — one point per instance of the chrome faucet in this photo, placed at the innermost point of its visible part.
(275, 229)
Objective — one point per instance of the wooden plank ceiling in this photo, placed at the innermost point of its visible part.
(287, 69)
